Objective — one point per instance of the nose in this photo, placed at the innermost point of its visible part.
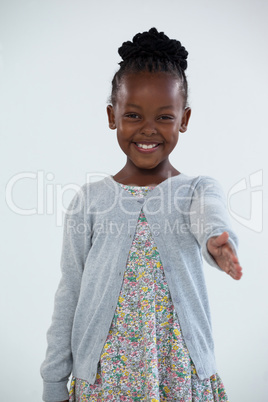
(148, 128)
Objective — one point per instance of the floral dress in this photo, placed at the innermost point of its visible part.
(145, 357)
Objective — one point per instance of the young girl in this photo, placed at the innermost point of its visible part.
(131, 320)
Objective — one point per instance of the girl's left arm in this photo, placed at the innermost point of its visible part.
(208, 213)
(224, 254)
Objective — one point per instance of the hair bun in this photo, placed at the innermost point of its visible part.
(155, 45)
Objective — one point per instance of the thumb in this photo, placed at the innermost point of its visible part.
(218, 241)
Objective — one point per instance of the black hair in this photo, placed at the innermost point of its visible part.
(152, 51)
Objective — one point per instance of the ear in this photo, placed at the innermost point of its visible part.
(111, 118)
(185, 119)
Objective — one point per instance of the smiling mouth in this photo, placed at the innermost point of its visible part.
(146, 146)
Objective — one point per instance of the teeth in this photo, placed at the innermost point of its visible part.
(146, 146)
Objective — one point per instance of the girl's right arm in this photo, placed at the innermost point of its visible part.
(57, 367)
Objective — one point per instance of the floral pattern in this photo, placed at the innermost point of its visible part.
(145, 357)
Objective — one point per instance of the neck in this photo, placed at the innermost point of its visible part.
(135, 176)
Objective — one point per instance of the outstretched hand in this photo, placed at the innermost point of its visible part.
(224, 254)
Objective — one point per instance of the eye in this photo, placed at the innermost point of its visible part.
(132, 116)
(166, 117)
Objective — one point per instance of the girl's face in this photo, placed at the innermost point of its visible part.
(149, 114)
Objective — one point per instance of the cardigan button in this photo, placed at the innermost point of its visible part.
(200, 370)
(156, 233)
(176, 299)
(168, 268)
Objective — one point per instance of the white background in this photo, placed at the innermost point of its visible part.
(57, 61)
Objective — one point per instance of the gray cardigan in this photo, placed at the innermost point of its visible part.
(99, 226)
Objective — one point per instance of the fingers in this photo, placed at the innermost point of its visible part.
(225, 255)
(235, 272)
(232, 266)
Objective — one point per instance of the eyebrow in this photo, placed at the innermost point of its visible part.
(139, 107)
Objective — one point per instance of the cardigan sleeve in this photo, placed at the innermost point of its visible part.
(209, 216)
(57, 366)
